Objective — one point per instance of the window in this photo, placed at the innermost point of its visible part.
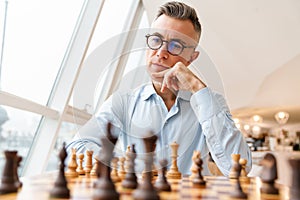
(34, 38)
(16, 133)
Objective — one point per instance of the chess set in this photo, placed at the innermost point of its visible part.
(115, 178)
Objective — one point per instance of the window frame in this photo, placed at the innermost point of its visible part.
(48, 129)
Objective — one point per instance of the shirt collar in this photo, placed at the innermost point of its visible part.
(149, 90)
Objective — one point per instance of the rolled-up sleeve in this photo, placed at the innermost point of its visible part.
(89, 136)
(222, 136)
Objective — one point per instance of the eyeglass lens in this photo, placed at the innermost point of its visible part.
(155, 42)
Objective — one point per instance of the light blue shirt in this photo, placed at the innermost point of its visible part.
(199, 121)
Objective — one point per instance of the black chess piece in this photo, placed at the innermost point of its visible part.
(295, 187)
(269, 174)
(60, 189)
(8, 180)
(146, 190)
(17, 180)
(238, 191)
(104, 187)
(198, 179)
(161, 183)
(130, 180)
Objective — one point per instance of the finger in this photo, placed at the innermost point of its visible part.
(173, 88)
(175, 85)
(166, 81)
(170, 82)
(160, 74)
(164, 85)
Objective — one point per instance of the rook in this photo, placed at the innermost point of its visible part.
(8, 180)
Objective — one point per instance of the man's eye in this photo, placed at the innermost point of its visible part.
(175, 45)
(156, 40)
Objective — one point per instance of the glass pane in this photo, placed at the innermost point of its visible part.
(66, 133)
(103, 54)
(36, 38)
(135, 71)
(17, 130)
(110, 23)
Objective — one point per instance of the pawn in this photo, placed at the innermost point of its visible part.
(238, 191)
(243, 177)
(198, 179)
(233, 174)
(72, 166)
(80, 169)
(161, 183)
(194, 166)
(114, 172)
(60, 189)
(95, 171)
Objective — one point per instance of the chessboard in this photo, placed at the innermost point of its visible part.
(82, 187)
(106, 180)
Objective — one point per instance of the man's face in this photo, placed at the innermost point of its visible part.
(171, 29)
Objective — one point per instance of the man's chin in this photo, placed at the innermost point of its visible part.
(156, 82)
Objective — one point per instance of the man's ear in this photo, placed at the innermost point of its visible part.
(194, 56)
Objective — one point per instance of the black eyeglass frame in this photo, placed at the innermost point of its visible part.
(166, 41)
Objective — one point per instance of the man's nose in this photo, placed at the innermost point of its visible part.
(162, 52)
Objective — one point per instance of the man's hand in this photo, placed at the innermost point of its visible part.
(179, 77)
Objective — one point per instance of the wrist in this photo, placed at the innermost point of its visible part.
(198, 85)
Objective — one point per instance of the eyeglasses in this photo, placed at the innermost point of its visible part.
(174, 47)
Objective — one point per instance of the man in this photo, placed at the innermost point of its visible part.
(177, 106)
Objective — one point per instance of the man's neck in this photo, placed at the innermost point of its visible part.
(168, 96)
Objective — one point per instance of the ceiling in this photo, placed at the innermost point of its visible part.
(255, 48)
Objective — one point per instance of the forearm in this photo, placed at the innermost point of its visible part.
(87, 137)
(224, 139)
(222, 136)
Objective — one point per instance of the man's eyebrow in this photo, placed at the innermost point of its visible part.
(158, 34)
(173, 39)
(179, 40)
